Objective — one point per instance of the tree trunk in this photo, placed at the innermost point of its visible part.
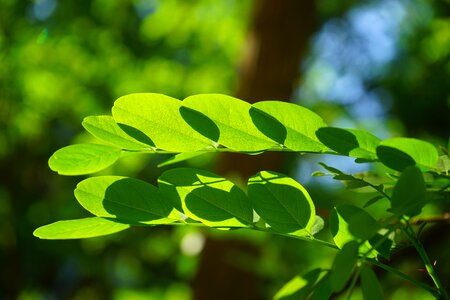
(279, 35)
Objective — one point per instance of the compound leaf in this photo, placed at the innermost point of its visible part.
(125, 198)
(206, 197)
(282, 203)
(225, 120)
(400, 153)
(79, 229)
(158, 117)
(80, 159)
(106, 129)
(297, 125)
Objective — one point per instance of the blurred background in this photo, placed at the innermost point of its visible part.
(379, 65)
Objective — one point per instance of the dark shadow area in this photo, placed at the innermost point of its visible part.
(394, 158)
(268, 125)
(137, 134)
(200, 123)
(337, 139)
(135, 201)
(265, 197)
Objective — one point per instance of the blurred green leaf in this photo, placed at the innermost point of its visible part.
(370, 286)
(372, 200)
(282, 203)
(409, 195)
(79, 229)
(80, 159)
(351, 142)
(106, 129)
(299, 287)
(400, 153)
(297, 125)
(206, 197)
(225, 120)
(125, 198)
(323, 289)
(158, 117)
(343, 265)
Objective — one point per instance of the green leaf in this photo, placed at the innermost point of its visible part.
(340, 220)
(331, 169)
(409, 195)
(370, 286)
(79, 229)
(323, 288)
(181, 157)
(158, 117)
(225, 120)
(206, 197)
(350, 142)
(282, 203)
(106, 129)
(126, 199)
(343, 265)
(400, 153)
(363, 225)
(373, 200)
(300, 286)
(296, 127)
(80, 159)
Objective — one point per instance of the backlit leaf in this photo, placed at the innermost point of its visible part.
(82, 159)
(281, 202)
(106, 129)
(400, 153)
(351, 142)
(340, 219)
(225, 120)
(206, 197)
(158, 117)
(126, 199)
(297, 125)
(79, 229)
(300, 286)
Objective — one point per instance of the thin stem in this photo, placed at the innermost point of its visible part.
(426, 287)
(426, 260)
(303, 238)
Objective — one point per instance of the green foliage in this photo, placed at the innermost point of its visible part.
(83, 159)
(155, 123)
(282, 203)
(79, 229)
(370, 286)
